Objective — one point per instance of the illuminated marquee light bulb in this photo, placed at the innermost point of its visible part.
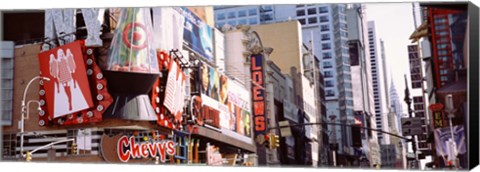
(100, 108)
(89, 61)
(42, 92)
(99, 86)
(99, 76)
(41, 122)
(89, 114)
(89, 72)
(99, 97)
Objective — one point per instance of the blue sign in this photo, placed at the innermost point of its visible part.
(197, 35)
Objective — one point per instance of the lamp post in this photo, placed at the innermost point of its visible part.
(451, 142)
(25, 111)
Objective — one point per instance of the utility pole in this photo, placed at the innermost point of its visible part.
(334, 144)
(410, 115)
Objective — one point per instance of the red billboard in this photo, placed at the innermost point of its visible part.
(77, 91)
(68, 90)
(258, 95)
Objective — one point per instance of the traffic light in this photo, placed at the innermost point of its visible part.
(267, 141)
(275, 141)
(28, 156)
(74, 149)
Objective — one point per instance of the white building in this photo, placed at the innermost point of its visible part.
(378, 71)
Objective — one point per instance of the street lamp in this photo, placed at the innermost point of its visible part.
(25, 110)
(451, 142)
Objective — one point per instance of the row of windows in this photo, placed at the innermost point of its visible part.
(313, 20)
(233, 14)
(312, 11)
(251, 21)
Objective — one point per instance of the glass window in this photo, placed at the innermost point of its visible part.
(328, 74)
(242, 13)
(326, 46)
(327, 55)
(231, 15)
(323, 10)
(323, 19)
(325, 37)
(312, 11)
(327, 65)
(302, 21)
(330, 93)
(221, 16)
(252, 12)
(300, 12)
(312, 20)
(253, 21)
(267, 8)
(233, 22)
(328, 83)
(325, 28)
(242, 21)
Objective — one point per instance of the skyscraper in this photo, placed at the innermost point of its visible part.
(377, 77)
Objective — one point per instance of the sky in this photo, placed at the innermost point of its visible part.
(394, 24)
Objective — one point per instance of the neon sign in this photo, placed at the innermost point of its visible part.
(127, 149)
(258, 94)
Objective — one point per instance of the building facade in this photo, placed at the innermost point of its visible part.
(377, 77)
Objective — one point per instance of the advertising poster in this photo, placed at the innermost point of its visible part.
(68, 90)
(239, 105)
(210, 82)
(442, 135)
(197, 34)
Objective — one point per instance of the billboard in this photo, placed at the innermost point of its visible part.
(68, 90)
(229, 99)
(415, 66)
(442, 135)
(258, 94)
(197, 35)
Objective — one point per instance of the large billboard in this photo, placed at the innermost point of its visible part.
(197, 35)
(258, 95)
(68, 90)
(229, 100)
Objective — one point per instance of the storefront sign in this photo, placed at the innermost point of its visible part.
(127, 149)
(258, 93)
(437, 110)
(197, 34)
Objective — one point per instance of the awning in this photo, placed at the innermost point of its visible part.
(455, 87)
(217, 136)
(421, 31)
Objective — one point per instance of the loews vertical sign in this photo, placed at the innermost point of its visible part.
(258, 94)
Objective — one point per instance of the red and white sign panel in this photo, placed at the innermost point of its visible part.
(68, 90)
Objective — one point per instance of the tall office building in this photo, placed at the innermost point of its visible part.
(377, 77)
(327, 24)
(362, 83)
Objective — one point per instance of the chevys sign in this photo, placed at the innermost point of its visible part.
(127, 148)
(121, 148)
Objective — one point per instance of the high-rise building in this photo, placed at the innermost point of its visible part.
(377, 77)
(362, 81)
(328, 25)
